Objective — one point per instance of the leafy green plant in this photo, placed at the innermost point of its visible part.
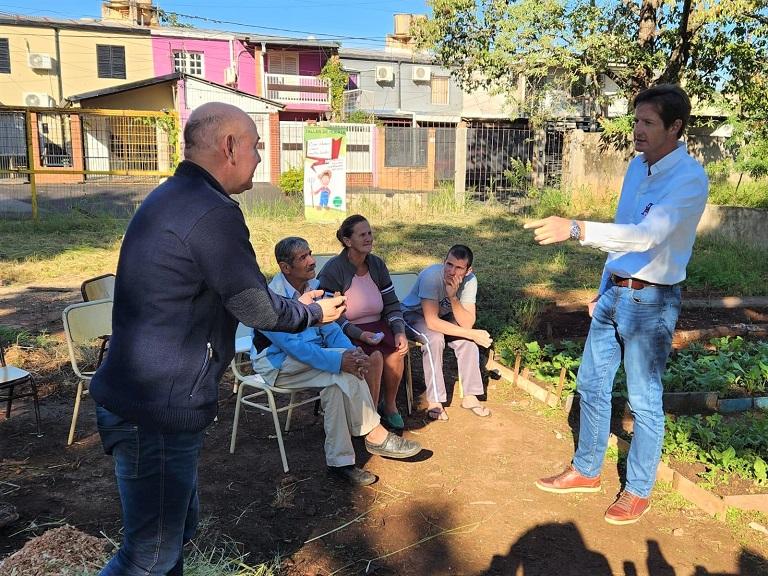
(726, 446)
(292, 182)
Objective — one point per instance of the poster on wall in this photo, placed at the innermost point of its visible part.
(325, 174)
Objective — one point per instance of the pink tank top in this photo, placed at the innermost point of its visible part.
(364, 303)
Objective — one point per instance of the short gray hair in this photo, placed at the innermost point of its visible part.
(287, 248)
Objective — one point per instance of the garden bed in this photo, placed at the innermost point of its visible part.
(684, 480)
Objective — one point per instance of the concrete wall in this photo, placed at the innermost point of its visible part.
(735, 224)
(77, 68)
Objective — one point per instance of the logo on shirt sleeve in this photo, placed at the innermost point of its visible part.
(646, 209)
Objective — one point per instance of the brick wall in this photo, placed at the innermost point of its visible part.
(77, 155)
(396, 178)
(359, 180)
(274, 148)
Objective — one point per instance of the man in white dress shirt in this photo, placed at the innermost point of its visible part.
(636, 308)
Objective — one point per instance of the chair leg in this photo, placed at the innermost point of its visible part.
(290, 413)
(237, 419)
(408, 382)
(460, 387)
(78, 397)
(278, 433)
(9, 403)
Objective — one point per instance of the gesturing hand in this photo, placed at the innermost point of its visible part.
(332, 308)
(550, 230)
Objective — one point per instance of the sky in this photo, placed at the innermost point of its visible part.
(361, 23)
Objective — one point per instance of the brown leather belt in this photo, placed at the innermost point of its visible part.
(632, 283)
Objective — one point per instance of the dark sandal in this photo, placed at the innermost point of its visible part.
(437, 414)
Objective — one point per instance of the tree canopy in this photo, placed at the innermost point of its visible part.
(718, 49)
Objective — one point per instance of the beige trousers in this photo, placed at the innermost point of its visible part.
(346, 402)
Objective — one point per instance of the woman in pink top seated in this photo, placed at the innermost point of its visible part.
(373, 318)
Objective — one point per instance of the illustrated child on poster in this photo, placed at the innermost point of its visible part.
(324, 190)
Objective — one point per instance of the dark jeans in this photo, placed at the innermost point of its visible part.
(157, 480)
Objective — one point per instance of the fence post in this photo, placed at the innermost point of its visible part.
(31, 163)
(460, 164)
(539, 157)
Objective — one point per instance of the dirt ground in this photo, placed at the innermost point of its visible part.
(466, 505)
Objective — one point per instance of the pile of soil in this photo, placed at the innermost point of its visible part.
(62, 550)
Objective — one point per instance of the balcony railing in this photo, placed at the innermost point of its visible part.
(294, 89)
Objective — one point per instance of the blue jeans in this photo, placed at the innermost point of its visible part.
(636, 327)
(157, 480)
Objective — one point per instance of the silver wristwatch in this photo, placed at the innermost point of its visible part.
(575, 230)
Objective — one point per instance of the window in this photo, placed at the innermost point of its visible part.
(405, 146)
(188, 62)
(439, 86)
(284, 63)
(110, 61)
(5, 57)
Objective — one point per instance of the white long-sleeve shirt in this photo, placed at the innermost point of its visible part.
(655, 224)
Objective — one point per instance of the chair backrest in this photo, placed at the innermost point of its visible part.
(98, 288)
(243, 336)
(403, 283)
(84, 323)
(321, 260)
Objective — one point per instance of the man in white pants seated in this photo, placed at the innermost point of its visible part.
(440, 311)
(323, 357)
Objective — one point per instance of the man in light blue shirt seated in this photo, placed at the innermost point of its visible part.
(440, 310)
(636, 308)
(323, 357)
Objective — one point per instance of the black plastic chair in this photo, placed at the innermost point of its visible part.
(12, 381)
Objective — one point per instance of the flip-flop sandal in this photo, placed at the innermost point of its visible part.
(480, 411)
(437, 414)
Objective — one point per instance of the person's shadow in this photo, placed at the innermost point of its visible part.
(550, 549)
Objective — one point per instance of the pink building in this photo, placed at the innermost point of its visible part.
(219, 57)
(284, 70)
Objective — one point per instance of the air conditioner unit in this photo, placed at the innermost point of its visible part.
(40, 61)
(40, 99)
(421, 73)
(230, 75)
(385, 73)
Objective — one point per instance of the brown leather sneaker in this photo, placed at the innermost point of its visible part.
(569, 481)
(627, 509)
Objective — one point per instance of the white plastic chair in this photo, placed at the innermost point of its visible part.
(267, 394)
(84, 324)
(98, 288)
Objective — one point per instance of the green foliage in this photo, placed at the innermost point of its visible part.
(519, 174)
(171, 19)
(168, 123)
(726, 446)
(292, 182)
(722, 266)
(729, 366)
(360, 117)
(333, 71)
(710, 48)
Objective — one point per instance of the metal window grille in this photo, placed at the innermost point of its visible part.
(439, 89)
(55, 140)
(405, 147)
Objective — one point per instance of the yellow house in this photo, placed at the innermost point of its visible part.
(44, 60)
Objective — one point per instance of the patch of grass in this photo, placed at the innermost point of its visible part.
(721, 266)
(667, 499)
(738, 521)
(751, 194)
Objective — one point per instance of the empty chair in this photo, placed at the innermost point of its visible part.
(86, 326)
(98, 288)
(13, 382)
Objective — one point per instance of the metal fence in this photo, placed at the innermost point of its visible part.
(92, 161)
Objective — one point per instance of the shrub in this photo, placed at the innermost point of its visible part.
(292, 182)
